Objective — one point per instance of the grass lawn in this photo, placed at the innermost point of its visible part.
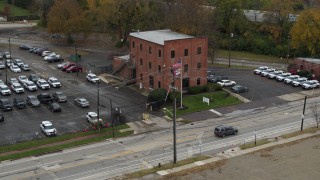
(17, 10)
(195, 104)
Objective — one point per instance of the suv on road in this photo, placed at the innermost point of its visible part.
(224, 130)
(5, 105)
(33, 101)
(33, 77)
(19, 103)
(45, 98)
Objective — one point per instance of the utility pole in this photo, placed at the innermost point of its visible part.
(76, 50)
(304, 108)
(230, 37)
(112, 119)
(10, 60)
(98, 104)
(174, 117)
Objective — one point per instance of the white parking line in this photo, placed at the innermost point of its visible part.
(30, 108)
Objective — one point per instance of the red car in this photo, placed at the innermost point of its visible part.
(74, 69)
(65, 67)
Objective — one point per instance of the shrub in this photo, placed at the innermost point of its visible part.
(195, 89)
(157, 95)
(210, 87)
(174, 94)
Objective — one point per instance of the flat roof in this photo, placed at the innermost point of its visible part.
(159, 36)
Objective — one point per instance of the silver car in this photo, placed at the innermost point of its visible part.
(81, 102)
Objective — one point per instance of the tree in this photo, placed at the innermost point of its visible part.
(316, 113)
(67, 17)
(306, 31)
(42, 7)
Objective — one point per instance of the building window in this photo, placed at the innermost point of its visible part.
(198, 81)
(173, 54)
(141, 77)
(151, 82)
(199, 50)
(133, 44)
(185, 68)
(149, 65)
(140, 47)
(199, 65)
(159, 53)
(141, 61)
(159, 69)
(159, 84)
(149, 50)
(186, 52)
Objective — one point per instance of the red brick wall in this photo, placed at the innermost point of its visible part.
(125, 72)
(307, 65)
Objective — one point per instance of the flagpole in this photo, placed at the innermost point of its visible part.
(181, 84)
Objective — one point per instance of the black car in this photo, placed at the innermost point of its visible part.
(54, 107)
(45, 98)
(216, 78)
(32, 101)
(25, 47)
(19, 103)
(5, 105)
(239, 89)
(224, 130)
(1, 117)
(59, 97)
(33, 77)
(54, 59)
(39, 51)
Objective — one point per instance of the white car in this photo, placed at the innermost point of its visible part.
(5, 90)
(266, 72)
(2, 83)
(15, 68)
(2, 66)
(226, 83)
(22, 79)
(272, 75)
(291, 78)
(41, 83)
(92, 117)
(17, 88)
(25, 67)
(45, 53)
(50, 55)
(282, 76)
(30, 86)
(311, 84)
(54, 82)
(260, 69)
(59, 66)
(6, 55)
(47, 128)
(299, 81)
(18, 62)
(92, 78)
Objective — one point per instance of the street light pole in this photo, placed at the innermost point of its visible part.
(10, 60)
(174, 132)
(98, 103)
(231, 35)
(304, 108)
(76, 50)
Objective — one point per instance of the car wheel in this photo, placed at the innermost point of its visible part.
(235, 133)
(223, 135)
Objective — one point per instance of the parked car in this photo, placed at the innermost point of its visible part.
(298, 82)
(5, 105)
(4, 89)
(50, 55)
(2, 66)
(92, 78)
(34, 78)
(224, 130)
(43, 84)
(272, 75)
(2, 83)
(25, 67)
(47, 128)
(282, 76)
(45, 98)
(266, 72)
(81, 102)
(39, 51)
(54, 82)
(19, 103)
(239, 89)
(76, 68)
(1, 117)
(17, 88)
(54, 59)
(216, 78)
(22, 79)
(45, 53)
(15, 68)
(54, 107)
(33, 101)
(59, 97)
(66, 66)
(260, 69)
(6, 55)
(30, 86)
(18, 62)
(12, 81)
(92, 118)
(25, 47)
(227, 83)
(33, 49)
(291, 78)
(8, 63)
(60, 66)
(311, 84)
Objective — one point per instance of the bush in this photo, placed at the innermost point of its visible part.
(195, 89)
(174, 94)
(211, 87)
(157, 95)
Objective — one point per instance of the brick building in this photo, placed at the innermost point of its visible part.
(153, 53)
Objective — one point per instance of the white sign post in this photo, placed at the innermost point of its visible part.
(207, 100)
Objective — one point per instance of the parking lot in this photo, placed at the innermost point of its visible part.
(259, 87)
(23, 124)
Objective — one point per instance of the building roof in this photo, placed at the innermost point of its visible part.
(159, 36)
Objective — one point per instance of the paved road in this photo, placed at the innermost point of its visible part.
(112, 158)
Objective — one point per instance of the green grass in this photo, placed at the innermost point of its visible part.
(17, 10)
(252, 144)
(164, 167)
(249, 56)
(195, 104)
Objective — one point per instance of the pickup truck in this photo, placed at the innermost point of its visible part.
(92, 118)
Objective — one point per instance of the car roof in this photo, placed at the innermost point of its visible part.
(92, 113)
(47, 123)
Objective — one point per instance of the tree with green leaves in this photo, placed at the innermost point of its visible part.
(306, 31)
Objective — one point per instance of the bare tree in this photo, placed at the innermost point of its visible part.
(316, 113)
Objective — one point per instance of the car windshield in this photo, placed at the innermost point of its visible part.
(42, 82)
(4, 88)
(5, 102)
(54, 80)
(17, 86)
(33, 98)
(30, 83)
(48, 127)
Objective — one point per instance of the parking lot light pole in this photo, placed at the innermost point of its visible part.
(304, 108)
(231, 36)
(76, 51)
(98, 102)
(10, 60)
